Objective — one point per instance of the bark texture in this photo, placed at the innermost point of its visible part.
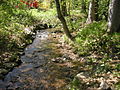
(62, 19)
(114, 16)
(91, 13)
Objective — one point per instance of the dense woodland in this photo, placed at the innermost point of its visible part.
(90, 27)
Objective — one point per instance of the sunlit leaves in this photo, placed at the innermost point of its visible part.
(94, 38)
(13, 21)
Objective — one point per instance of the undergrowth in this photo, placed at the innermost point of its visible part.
(94, 39)
(99, 49)
(47, 16)
(13, 38)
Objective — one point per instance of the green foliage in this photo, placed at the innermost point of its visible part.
(94, 38)
(117, 86)
(13, 20)
(117, 67)
(48, 16)
(103, 9)
(77, 4)
(74, 84)
(76, 20)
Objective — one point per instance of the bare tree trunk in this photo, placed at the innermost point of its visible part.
(114, 16)
(91, 13)
(62, 19)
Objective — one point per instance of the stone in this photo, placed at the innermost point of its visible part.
(104, 86)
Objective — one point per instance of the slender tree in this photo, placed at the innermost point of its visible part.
(62, 19)
(91, 12)
(114, 16)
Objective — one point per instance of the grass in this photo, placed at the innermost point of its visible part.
(47, 16)
(100, 51)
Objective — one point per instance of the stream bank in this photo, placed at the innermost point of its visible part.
(50, 64)
(38, 70)
(10, 57)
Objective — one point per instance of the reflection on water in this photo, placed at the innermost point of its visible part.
(37, 72)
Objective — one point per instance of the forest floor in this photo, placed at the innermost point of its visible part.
(51, 64)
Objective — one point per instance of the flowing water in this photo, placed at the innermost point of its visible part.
(37, 72)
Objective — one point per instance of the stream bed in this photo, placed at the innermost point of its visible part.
(37, 71)
(49, 64)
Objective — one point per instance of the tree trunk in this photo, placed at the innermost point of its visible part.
(91, 13)
(64, 8)
(114, 16)
(62, 19)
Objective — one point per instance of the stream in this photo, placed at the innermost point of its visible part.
(49, 65)
(37, 71)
